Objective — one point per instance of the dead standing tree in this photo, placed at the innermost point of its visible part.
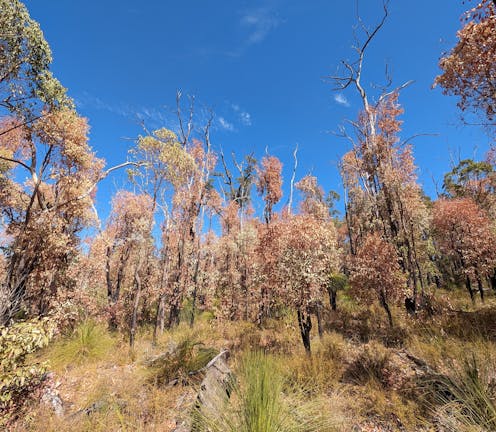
(378, 172)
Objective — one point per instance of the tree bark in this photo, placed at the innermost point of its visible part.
(332, 298)
(386, 308)
(305, 324)
(492, 280)
(160, 319)
(468, 285)
(137, 295)
(318, 313)
(480, 287)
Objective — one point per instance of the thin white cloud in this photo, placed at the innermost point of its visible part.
(245, 118)
(341, 99)
(152, 116)
(260, 22)
(224, 124)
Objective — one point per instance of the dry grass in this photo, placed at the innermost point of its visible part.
(352, 375)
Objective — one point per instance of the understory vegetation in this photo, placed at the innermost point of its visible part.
(426, 372)
(378, 318)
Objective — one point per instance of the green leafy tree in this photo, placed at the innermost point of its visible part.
(26, 84)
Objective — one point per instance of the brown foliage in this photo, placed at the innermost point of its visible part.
(269, 183)
(469, 69)
(375, 273)
(464, 233)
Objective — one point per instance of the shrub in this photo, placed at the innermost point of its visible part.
(368, 365)
(18, 377)
(177, 364)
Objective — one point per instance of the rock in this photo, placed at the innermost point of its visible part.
(216, 385)
(214, 389)
(182, 427)
(50, 395)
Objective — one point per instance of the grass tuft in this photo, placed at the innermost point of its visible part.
(464, 400)
(264, 401)
(89, 342)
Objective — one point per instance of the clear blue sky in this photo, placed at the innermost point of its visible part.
(259, 66)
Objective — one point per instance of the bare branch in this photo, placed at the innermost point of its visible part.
(416, 136)
(290, 203)
(395, 90)
(100, 178)
(18, 162)
(22, 124)
(185, 134)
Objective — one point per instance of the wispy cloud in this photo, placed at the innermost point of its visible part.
(224, 124)
(153, 117)
(341, 99)
(244, 116)
(259, 22)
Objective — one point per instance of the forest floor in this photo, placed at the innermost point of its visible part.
(362, 374)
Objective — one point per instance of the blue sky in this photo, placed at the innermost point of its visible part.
(259, 65)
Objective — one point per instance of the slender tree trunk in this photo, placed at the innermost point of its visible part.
(305, 324)
(262, 308)
(137, 296)
(160, 319)
(108, 276)
(174, 315)
(468, 285)
(492, 280)
(318, 313)
(480, 287)
(244, 290)
(386, 308)
(332, 298)
(195, 291)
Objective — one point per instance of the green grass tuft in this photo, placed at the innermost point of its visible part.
(89, 342)
(264, 401)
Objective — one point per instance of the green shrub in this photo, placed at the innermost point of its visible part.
(17, 376)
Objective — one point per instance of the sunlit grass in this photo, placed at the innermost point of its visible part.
(89, 342)
(263, 400)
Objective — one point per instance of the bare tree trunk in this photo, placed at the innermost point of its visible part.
(318, 313)
(160, 319)
(305, 324)
(480, 287)
(468, 285)
(173, 315)
(492, 279)
(195, 291)
(332, 298)
(386, 308)
(137, 295)
(108, 277)
(291, 185)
